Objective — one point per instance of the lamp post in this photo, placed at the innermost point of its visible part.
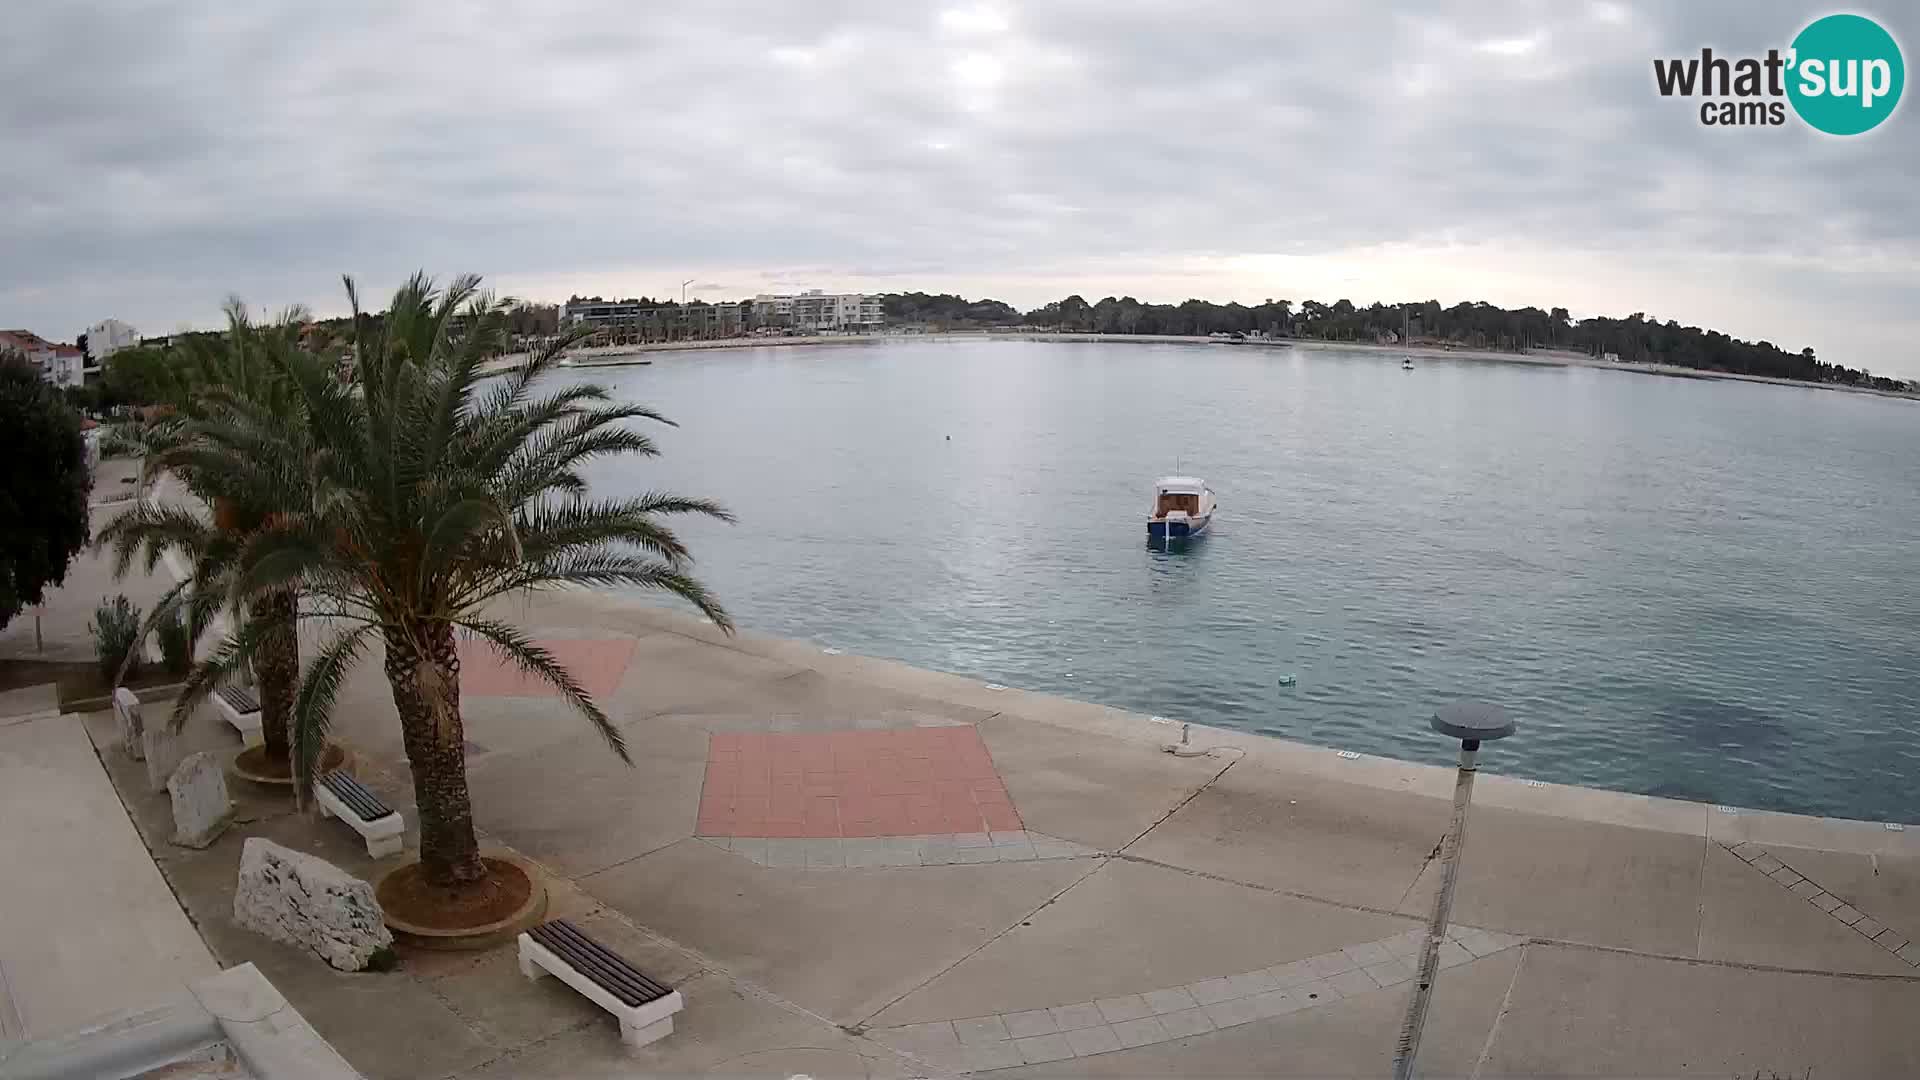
(1472, 722)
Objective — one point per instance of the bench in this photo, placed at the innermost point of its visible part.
(240, 708)
(341, 796)
(644, 1007)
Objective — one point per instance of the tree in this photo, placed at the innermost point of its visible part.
(234, 381)
(435, 492)
(43, 490)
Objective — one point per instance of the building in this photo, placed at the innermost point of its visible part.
(109, 336)
(639, 320)
(61, 365)
(813, 311)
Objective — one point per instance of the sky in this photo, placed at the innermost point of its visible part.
(156, 158)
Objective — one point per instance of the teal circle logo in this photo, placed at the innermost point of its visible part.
(1846, 75)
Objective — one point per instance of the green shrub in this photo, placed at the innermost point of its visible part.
(176, 644)
(116, 637)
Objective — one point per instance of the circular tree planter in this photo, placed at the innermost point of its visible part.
(252, 766)
(429, 917)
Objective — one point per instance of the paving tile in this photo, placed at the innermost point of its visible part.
(937, 851)
(1021, 1025)
(1093, 1040)
(981, 1029)
(1117, 1009)
(1329, 964)
(1082, 1015)
(975, 855)
(1208, 991)
(982, 1057)
(1170, 1000)
(1391, 973)
(1233, 1011)
(1041, 1049)
(1350, 983)
(1187, 1022)
(1805, 889)
(1407, 944)
(1368, 952)
(1480, 943)
(1848, 914)
(1297, 973)
(1277, 1003)
(1890, 940)
(971, 840)
(1251, 983)
(753, 848)
(1453, 955)
(1767, 864)
(1014, 837)
(920, 1038)
(1318, 992)
(1046, 847)
(1142, 1032)
(1910, 952)
(825, 855)
(1786, 876)
(1826, 901)
(1015, 852)
(1868, 926)
(786, 853)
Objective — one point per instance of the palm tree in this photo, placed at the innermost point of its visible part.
(436, 490)
(236, 385)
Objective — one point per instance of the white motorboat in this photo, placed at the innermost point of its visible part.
(1182, 506)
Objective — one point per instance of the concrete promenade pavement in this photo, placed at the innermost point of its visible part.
(89, 927)
(786, 849)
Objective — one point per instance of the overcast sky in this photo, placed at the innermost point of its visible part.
(156, 157)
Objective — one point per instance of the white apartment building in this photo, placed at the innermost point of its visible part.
(815, 310)
(61, 365)
(109, 336)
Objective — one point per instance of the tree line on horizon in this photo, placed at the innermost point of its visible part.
(1478, 325)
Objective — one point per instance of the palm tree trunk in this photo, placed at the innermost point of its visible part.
(277, 665)
(423, 668)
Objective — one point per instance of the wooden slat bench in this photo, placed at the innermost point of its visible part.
(341, 796)
(644, 1007)
(239, 707)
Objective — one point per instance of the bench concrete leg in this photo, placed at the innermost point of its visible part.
(251, 738)
(379, 847)
(527, 967)
(641, 1036)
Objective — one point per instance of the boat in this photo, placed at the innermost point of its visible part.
(1406, 363)
(1182, 506)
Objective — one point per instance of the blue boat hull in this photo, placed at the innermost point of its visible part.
(1181, 529)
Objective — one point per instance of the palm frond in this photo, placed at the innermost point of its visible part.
(313, 703)
(537, 661)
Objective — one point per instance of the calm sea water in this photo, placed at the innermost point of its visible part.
(1699, 589)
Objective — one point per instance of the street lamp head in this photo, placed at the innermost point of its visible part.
(1473, 721)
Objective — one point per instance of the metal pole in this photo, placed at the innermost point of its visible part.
(1456, 838)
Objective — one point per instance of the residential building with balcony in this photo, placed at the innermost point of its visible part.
(813, 311)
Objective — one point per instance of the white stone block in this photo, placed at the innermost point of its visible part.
(201, 808)
(307, 901)
(163, 752)
(126, 712)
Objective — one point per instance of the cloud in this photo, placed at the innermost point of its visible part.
(170, 154)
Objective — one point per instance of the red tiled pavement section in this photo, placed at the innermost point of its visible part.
(598, 664)
(901, 782)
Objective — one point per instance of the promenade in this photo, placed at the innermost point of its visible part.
(852, 867)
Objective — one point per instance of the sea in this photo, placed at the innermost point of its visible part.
(1693, 588)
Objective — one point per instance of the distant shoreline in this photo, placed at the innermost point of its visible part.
(621, 355)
